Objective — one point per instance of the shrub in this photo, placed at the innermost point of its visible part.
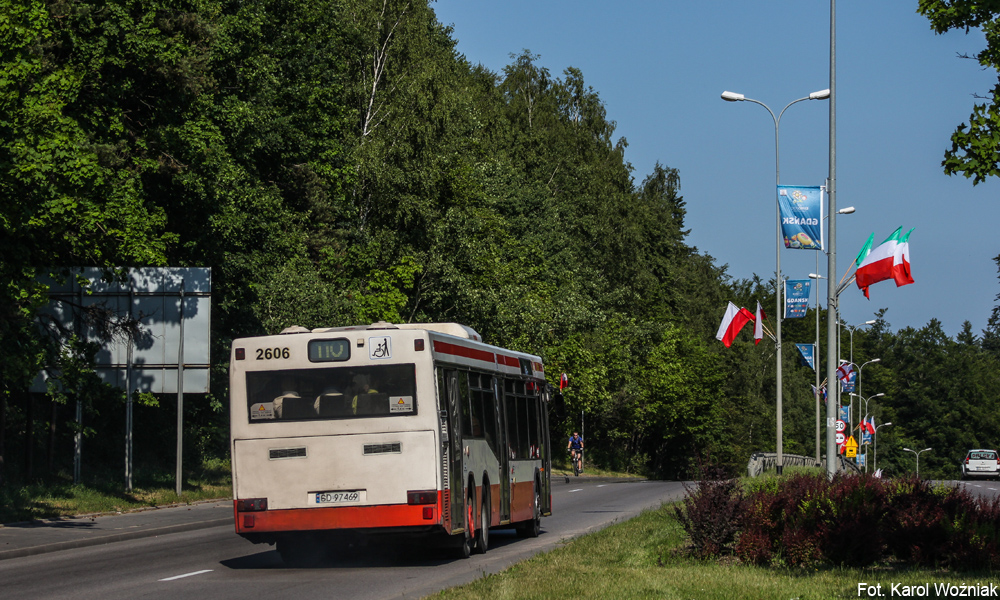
(711, 515)
(853, 521)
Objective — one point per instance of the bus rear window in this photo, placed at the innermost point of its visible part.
(331, 393)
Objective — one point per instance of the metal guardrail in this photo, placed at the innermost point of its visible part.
(761, 462)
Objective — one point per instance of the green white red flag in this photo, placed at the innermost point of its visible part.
(890, 260)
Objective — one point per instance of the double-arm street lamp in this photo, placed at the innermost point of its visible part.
(917, 452)
(734, 97)
(860, 397)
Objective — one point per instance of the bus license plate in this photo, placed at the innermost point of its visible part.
(343, 497)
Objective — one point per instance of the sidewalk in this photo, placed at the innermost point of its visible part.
(39, 537)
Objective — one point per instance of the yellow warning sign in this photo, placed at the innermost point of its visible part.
(851, 452)
(851, 443)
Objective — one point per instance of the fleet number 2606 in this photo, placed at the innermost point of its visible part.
(272, 353)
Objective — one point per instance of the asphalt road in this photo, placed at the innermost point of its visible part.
(213, 562)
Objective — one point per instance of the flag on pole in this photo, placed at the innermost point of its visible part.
(758, 326)
(844, 372)
(563, 381)
(865, 250)
(733, 321)
(871, 425)
(901, 261)
(890, 260)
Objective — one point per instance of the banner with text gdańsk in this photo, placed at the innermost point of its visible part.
(801, 208)
(796, 298)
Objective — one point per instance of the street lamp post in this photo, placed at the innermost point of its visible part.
(734, 97)
(860, 420)
(918, 458)
(875, 435)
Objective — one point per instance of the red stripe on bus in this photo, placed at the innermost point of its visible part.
(509, 361)
(464, 351)
(339, 517)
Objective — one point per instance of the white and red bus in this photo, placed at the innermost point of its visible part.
(347, 434)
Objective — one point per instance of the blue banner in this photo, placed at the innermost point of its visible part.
(801, 209)
(796, 298)
(806, 352)
(849, 385)
(845, 414)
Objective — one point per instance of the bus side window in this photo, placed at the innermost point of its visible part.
(522, 428)
(476, 400)
(510, 407)
(533, 437)
(463, 396)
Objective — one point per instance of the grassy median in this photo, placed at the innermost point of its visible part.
(105, 493)
(644, 558)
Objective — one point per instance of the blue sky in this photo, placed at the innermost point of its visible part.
(660, 67)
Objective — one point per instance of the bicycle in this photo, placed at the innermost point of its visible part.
(576, 457)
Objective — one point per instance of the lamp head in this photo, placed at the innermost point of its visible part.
(816, 276)
(732, 97)
(846, 210)
(820, 95)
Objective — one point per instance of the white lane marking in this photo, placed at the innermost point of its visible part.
(576, 490)
(187, 575)
(602, 485)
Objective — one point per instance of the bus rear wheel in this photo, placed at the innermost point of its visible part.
(483, 539)
(531, 529)
(463, 548)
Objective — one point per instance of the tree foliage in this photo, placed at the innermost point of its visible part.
(338, 162)
(975, 148)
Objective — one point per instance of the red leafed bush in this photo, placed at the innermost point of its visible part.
(851, 520)
(711, 515)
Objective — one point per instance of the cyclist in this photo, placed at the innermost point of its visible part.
(575, 447)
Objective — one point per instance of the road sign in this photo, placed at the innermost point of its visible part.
(841, 438)
(852, 443)
(841, 426)
(852, 451)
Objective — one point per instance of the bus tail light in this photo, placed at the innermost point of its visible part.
(422, 497)
(428, 513)
(418, 345)
(251, 504)
(241, 354)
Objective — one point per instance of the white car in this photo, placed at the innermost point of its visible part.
(981, 463)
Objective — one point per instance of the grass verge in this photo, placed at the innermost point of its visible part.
(642, 558)
(105, 493)
(561, 467)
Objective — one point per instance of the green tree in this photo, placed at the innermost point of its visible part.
(975, 148)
